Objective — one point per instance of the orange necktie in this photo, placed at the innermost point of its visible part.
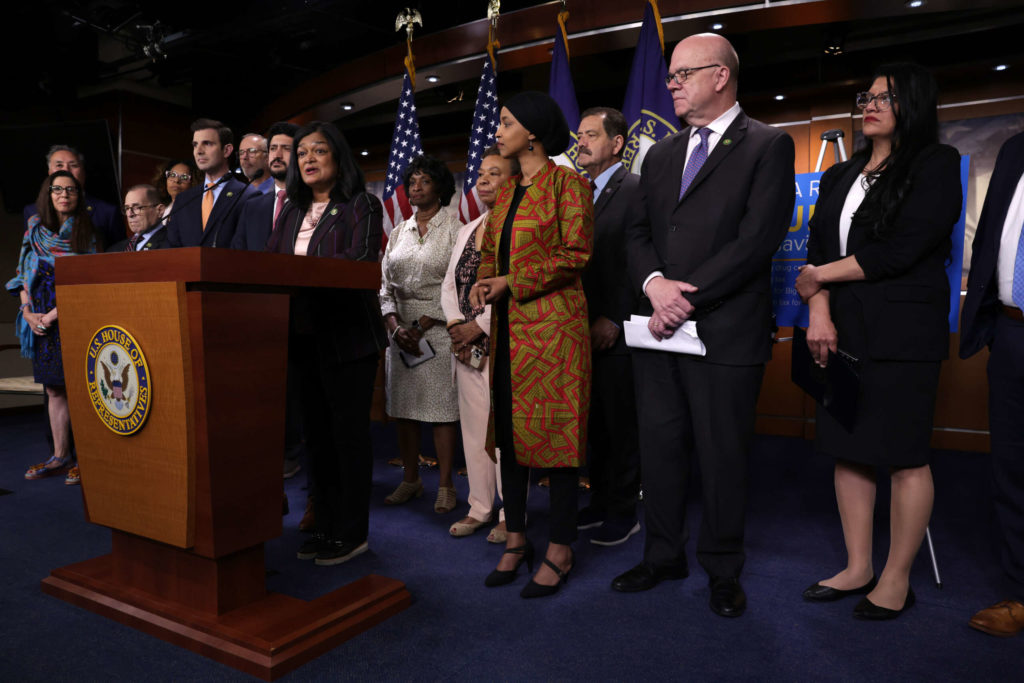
(207, 204)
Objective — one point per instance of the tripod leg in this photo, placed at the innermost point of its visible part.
(931, 552)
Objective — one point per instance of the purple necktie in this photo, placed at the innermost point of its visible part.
(697, 159)
(1017, 293)
(133, 242)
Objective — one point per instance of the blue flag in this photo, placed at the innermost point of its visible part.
(648, 107)
(561, 90)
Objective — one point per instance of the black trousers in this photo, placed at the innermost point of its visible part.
(336, 397)
(690, 409)
(614, 448)
(1006, 422)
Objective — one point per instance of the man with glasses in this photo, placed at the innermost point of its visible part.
(143, 208)
(104, 216)
(252, 157)
(257, 221)
(207, 215)
(718, 199)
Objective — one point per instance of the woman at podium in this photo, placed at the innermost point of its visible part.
(539, 238)
(61, 228)
(877, 290)
(335, 336)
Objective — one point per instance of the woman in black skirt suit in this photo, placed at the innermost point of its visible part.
(876, 287)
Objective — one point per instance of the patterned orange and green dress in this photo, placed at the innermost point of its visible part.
(551, 240)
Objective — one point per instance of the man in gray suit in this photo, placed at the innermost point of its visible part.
(719, 198)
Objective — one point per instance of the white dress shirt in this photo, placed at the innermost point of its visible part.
(1008, 244)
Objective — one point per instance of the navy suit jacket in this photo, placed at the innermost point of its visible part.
(721, 235)
(255, 224)
(982, 305)
(106, 219)
(606, 280)
(185, 223)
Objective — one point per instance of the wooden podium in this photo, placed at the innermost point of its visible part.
(193, 493)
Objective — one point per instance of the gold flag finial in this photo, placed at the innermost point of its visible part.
(493, 9)
(406, 19)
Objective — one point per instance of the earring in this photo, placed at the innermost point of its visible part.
(531, 146)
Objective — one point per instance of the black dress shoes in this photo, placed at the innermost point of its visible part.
(646, 576)
(819, 593)
(868, 610)
(727, 597)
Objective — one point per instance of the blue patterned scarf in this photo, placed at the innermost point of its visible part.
(39, 244)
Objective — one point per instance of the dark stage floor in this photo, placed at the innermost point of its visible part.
(458, 630)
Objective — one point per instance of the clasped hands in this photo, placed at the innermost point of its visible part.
(671, 308)
(39, 322)
(487, 291)
(408, 339)
(462, 336)
(808, 282)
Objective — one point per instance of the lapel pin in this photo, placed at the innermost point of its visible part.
(230, 193)
(334, 211)
(727, 141)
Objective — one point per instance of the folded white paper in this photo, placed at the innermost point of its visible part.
(426, 353)
(685, 340)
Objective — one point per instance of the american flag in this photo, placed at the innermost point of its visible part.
(481, 136)
(405, 146)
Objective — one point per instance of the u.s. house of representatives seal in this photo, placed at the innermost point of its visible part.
(118, 380)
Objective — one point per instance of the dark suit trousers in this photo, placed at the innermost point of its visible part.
(336, 397)
(1006, 421)
(690, 409)
(614, 451)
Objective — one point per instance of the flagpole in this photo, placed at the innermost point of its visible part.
(484, 122)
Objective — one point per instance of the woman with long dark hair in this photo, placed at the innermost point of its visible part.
(335, 336)
(876, 286)
(61, 228)
(539, 238)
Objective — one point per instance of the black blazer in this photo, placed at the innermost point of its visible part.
(256, 223)
(348, 324)
(185, 223)
(721, 235)
(982, 305)
(606, 280)
(901, 310)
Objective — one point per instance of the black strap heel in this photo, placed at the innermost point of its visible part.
(502, 577)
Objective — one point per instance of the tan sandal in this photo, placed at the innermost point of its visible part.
(466, 526)
(405, 492)
(499, 534)
(445, 500)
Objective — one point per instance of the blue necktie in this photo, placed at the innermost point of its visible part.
(697, 159)
(1018, 273)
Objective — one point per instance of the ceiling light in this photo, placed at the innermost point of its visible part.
(347, 106)
(432, 79)
(1001, 67)
(365, 153)
(717, 26)
(914, 4)
(780, 97)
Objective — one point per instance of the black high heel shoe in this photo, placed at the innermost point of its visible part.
(537, 590)
(502, 577)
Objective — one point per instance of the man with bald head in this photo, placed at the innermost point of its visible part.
(717, 201)
(252, 157)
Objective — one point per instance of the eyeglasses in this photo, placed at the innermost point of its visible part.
(133, 209)
(251, 152)
(680, 75)
(69, 190)
(883, 100)
(183, 177)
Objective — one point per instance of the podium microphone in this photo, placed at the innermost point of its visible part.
(223, 179)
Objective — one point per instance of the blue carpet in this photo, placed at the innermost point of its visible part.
(458, 630)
